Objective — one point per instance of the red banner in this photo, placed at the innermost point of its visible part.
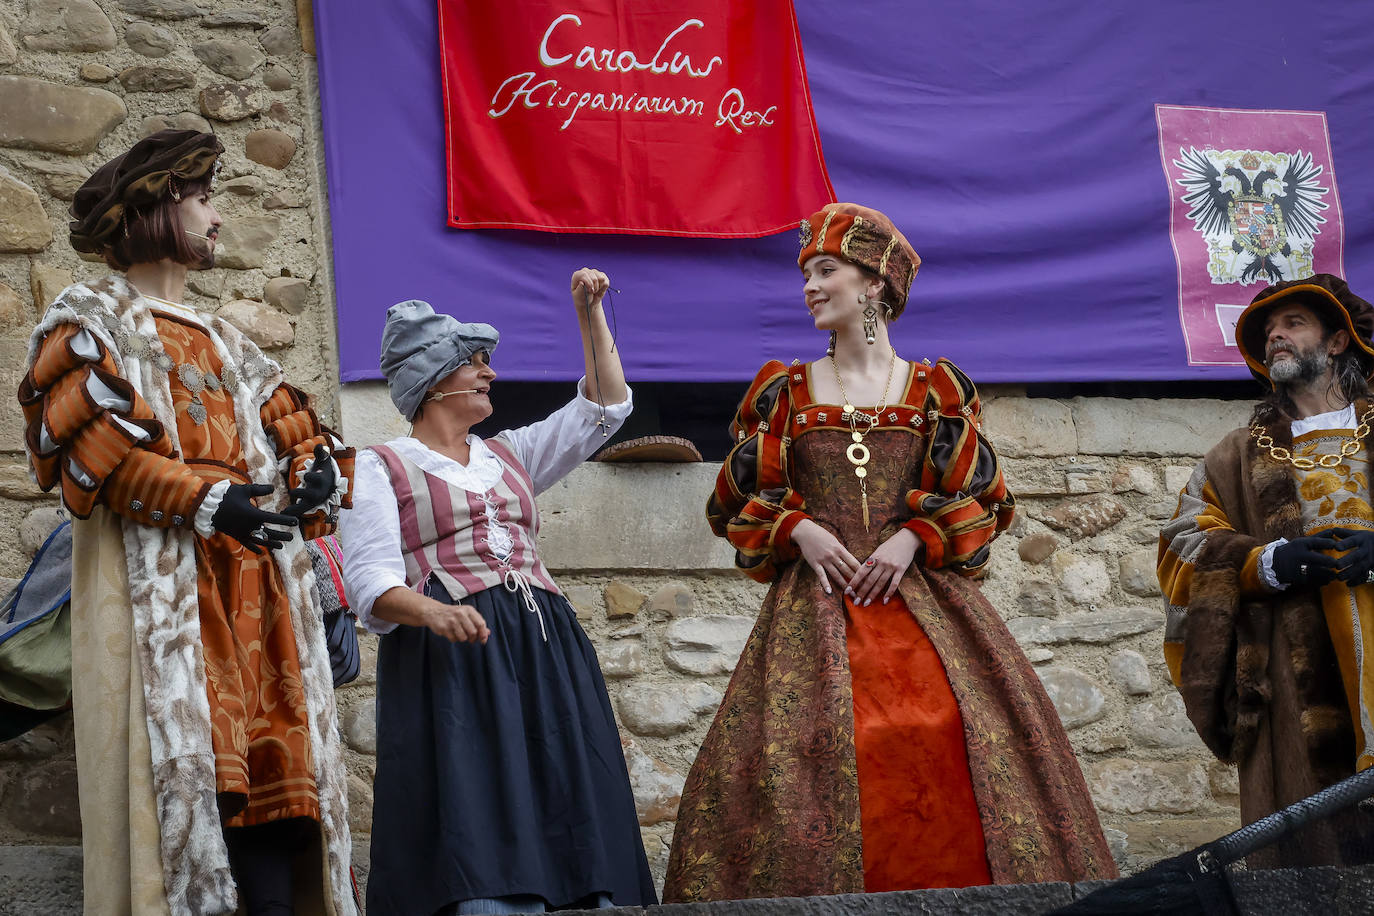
(685, 118)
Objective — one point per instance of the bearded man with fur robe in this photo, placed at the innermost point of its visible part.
(208, 758)
(1267, 568)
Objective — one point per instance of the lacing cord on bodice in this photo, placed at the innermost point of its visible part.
(518, 583)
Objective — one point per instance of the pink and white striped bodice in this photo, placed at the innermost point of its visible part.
(469, 542)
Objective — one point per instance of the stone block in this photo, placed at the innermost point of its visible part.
(1163, 427)
(150, 40)
(8, 52)
(149, 78)
(35, 114)
(1095, 627)
(37, 525)
(59, 177)
(1029, 477)
(1083, 580)
(279, 41)
(1137, 574)
(207, 283)
(622, 601)
(67, 25)
(243, 186)
(657, 787)
(359, 804)
(360, 729)
(1025, 427)
(242, 241)
(24, 224)
(1176, 477)
(663, 711)
(1039, 655)
(15, 482)
(673, 599)
(228, 57)
(96, 73)
(621, 659)
(186, 120)
(1037, 548)
(1125, 786)
(16, 311)
(1224, 782)
(1038, 599)
(1135, 478)
(46, 281)
(162, 9)
(270, 147)
(584, 599)
(658, 522)
(1130, 671)
(229, 102)
(262, 324)
(42, 800)
(287, 293)
(1076, 697)
(1164, 723)
(277, 78)
(278, 112)
(706, 645)
(238, 18)
(284, 199)
(1083, 517)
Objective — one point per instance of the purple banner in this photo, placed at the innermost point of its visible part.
(1016, 145)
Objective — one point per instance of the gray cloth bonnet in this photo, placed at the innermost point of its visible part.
(420, 347)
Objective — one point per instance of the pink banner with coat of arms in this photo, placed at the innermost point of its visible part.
(1252, 201)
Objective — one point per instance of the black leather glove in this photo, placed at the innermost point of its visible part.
(1299, 562)
(1356, 565)
(317, 484)
(246, 523)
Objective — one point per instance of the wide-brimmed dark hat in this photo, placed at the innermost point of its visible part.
(155, 165)
(1328, 296)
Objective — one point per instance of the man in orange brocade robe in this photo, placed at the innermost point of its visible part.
(208, 757)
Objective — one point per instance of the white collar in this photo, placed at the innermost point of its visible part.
(1332, 419)
(482, 472)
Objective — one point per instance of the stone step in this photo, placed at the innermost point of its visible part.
(46, 881)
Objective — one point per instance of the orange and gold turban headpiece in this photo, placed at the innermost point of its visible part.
(864, 237)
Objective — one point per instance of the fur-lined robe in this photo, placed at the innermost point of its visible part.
(1257, 668)
(151, 818)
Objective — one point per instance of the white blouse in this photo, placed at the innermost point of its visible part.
(370, 532)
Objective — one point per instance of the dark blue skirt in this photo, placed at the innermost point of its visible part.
(499, 767)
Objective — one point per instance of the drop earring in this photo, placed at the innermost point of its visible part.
(870, 320)
(830, 347)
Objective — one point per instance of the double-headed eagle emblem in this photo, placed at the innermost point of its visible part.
(1259, 211)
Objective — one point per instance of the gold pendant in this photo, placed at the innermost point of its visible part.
(863, 496)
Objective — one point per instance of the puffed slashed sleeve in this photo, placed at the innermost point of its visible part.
(962, 501)
(89, 432)
(753, 505)
(295, 429)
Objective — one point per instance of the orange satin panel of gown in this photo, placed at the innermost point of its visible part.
(919, 817)
(263, 766)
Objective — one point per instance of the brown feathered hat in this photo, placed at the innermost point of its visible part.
(865, 237)
(1327, 295)
(156, 165)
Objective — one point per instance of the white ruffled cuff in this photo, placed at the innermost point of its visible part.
(209, 506)
(1266, 566)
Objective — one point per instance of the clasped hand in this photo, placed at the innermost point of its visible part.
(875, 578)
(588, 286)
(1307, 560)
(317, 485)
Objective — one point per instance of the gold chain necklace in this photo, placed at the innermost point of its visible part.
(857, 453)
(1279, 453)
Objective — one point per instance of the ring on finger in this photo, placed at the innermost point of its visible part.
(870, 561)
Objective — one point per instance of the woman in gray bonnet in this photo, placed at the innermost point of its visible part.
(501, 786)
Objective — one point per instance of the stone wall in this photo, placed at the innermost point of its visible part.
(80, 80)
